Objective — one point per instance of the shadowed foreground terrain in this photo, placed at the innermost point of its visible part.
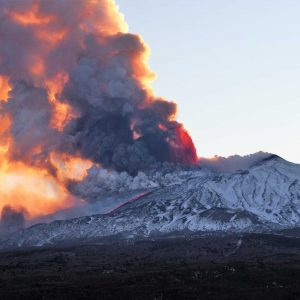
(248, 266)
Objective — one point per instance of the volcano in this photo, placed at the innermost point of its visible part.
(264, 197)
(82, 134)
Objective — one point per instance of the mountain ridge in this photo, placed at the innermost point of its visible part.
(264, 197)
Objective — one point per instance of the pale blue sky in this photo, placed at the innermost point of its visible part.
(233, 67)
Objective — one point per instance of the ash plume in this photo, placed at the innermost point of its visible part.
(101, 183)
(112, 116)
(75, 91)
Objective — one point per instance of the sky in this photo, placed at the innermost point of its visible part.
(233, 68)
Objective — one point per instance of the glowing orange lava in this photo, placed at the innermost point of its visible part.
(4, 88)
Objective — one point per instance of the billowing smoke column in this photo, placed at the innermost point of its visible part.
(75, 91)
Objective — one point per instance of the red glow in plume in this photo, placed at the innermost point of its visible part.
(74, 85)
(185, 150)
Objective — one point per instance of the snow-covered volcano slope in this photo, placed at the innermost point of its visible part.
(265, 196)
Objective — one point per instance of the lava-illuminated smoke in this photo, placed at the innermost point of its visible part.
(75, 91)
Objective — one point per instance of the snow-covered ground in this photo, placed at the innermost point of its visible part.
(262, 197)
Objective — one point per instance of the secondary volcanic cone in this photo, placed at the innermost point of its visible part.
(74, 91)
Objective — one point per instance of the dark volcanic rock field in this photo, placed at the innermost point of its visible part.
(248, 266)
